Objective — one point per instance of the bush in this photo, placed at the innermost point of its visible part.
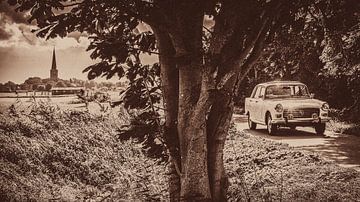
(48, 153)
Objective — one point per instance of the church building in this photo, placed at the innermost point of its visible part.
(55, 77)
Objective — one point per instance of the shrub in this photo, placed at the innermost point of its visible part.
(48, 153)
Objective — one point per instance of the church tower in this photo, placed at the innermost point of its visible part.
(53, 71)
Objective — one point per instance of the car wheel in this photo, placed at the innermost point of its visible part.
(271, 128)
(251, 124)
(292, 127)
(320, 128)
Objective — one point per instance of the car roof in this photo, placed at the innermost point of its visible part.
(280, 83)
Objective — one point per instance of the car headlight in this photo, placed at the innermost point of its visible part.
(279, 108)
(325, 107)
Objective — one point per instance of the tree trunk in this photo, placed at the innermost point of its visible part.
(170, 90)
(198, 98)
(193, 106)
(201, 132)
(218, 124)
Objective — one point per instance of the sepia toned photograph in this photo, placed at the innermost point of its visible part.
(180, 100)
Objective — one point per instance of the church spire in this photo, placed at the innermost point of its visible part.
(53, 70)
(53, 66)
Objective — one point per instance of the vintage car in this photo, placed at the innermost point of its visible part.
(285, 103)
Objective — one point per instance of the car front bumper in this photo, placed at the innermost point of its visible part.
(300, 121)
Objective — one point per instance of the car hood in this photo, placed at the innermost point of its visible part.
(298, 103)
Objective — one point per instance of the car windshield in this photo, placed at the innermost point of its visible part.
(286, 91)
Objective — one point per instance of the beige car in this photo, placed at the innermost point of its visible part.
(285, 103)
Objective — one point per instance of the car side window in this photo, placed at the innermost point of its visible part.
(262, 92)
(254, 92)
(257, 93)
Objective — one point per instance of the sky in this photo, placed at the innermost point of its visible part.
(24, 55)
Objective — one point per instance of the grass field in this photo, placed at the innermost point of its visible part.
(55, 150)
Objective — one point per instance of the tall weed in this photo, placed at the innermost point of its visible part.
(48, 153)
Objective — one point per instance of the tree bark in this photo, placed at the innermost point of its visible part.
(170, 90)
(193, 105)
(198, 97)
(218, 124)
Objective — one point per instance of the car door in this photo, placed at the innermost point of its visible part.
(258, 104)
(249, 103)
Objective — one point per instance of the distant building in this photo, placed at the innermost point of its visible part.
(66, 90)
(41, 87)
(54, 71)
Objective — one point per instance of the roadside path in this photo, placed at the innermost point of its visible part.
(342, 149)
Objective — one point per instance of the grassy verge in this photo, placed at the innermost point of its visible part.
(340, 123)
(50, 154)
(262, 170)
(344, 127)
(70, 155)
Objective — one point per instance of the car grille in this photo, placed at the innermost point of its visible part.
(301, 113)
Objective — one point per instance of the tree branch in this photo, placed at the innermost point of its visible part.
(252, 51)
(257, 51)
(208, 30)
(235, 67)
(146, 51)
(73, 4)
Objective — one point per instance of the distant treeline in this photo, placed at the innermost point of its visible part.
(38, 84)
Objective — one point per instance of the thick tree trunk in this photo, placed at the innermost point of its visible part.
(218, 124)
(202, 120)
(193, 106)
(170, 90)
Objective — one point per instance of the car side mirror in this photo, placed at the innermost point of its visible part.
(312, 95)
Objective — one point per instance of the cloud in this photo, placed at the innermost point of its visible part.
(4, 35)
(13, 26)
(16, 31)
(20, 35)
(77, 35)
(11, 14)
(23, 55)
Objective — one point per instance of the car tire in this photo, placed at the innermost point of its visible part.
(251, 124)
(320, 128)
(292, 127)
(271, 128)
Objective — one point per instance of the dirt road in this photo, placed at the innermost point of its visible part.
(342, 149)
